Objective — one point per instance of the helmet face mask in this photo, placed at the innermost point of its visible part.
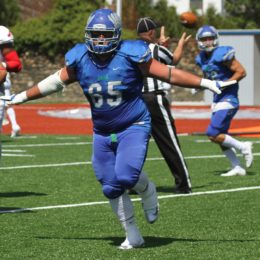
(207, 38)
(103, 31)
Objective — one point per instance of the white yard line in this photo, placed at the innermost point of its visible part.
(17, 155)
(134, 199)
(44, 145)
(89, 162)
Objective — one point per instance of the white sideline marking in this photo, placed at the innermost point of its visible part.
(89, 162)
(133, 199)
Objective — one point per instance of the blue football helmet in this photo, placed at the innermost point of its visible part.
(103, 31)
(205, 32)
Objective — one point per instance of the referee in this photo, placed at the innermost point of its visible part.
(154, 94)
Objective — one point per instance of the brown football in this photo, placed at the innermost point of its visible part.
(188, 19)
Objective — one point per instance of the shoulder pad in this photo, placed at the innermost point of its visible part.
(224, 53)
(74, 55)
(136, 50)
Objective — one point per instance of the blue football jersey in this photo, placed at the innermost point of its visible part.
(213, 68)
(113, 88)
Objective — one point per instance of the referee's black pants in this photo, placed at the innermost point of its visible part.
(164, 134)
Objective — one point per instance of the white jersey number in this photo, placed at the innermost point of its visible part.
(114, 96)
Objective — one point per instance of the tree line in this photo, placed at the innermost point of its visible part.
(63, 26)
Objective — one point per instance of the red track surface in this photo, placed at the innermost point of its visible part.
(33, 123)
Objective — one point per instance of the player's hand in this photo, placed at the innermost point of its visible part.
(183, 40)
(15, 99)
(216, 86)
(164, 41)
(224, 84)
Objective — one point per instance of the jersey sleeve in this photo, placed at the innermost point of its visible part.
(137, 51)
(198, 60)
(224, 53)
(74, 55)
(13, 63)
(165, 56)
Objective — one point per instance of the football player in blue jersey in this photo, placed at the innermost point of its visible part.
(219, 63)
(110, 72)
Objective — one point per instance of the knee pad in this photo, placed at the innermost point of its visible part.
(112, 192)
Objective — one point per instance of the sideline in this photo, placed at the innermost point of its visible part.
(133, 199)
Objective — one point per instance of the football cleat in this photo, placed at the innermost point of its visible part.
(150, 203)
(236, 171)
(16, 131)
(126, 244)
(247, 153)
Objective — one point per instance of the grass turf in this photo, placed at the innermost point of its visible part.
(56, 170)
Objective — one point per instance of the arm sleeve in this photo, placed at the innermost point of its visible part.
(13, 63)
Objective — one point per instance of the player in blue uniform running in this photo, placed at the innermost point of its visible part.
(110, 73)
(219, 63)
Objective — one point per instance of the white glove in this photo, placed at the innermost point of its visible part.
(216, 86)
(15, 99)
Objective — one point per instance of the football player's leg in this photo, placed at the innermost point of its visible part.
(103, 158)
(123, 208)
(217, 131)
(230, 142)
(2, 110)
(12, 117)
(2, 113)
(132, 152)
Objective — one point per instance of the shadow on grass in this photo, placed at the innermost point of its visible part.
(12, 210)
(151, 242)
(20, 194)
(116, 241)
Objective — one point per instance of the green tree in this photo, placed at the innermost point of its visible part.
(57, 31)
(9, 12)
(245, 12)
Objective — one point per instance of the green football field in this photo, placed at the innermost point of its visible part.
(52, 206)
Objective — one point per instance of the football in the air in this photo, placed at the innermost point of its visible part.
(188, 19)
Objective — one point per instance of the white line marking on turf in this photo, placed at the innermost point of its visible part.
(17, 155)
(133, 199)
(44, 165)
(16, 151)
(89, 162)
(42, 145)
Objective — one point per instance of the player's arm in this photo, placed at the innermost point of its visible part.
(177, 54)
(236, 67)
(3, 73)
(11, 60)
(182, 78)
(49, 85)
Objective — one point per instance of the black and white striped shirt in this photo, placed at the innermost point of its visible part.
(164, 56)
